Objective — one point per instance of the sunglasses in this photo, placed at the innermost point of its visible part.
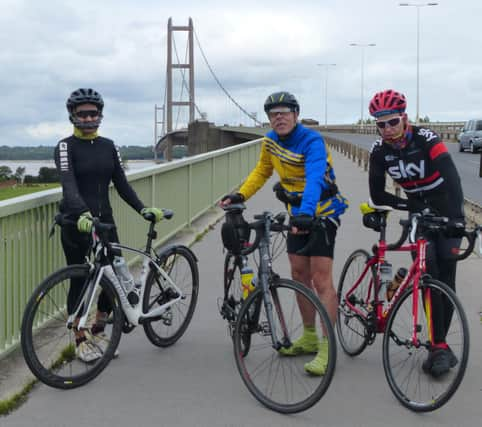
(392, 122)
(83, 114)
(282, 111)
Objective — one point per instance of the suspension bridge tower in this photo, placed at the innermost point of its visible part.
(174, 66)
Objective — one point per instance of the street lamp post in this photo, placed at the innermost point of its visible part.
(418, 6)
(362, 46)
(326, 89)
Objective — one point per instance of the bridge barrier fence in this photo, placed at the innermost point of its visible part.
(189, 186)
(361, 156)
(448, 131)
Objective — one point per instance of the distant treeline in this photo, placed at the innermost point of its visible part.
(129, 152)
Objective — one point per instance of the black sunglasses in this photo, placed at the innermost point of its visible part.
(392, 122)
(83, 114)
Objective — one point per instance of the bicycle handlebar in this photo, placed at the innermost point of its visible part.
(61, 219)
(276, 224)
(318, 223)
(166, 214)
(430, 222)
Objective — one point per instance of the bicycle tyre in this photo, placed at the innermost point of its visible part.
(181, 266)
(48, 346)
(351, 329)
(272, 379)
(233, 296)
(395, 359)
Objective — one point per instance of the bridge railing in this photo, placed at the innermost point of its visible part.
(448, 131)
(361, 156)
(189, 186)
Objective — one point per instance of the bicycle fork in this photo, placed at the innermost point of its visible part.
(265, 269)
(83, 309)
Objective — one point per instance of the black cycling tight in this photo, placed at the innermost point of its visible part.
(442, 267)
(76, 245)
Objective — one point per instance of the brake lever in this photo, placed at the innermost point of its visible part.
(413, 227)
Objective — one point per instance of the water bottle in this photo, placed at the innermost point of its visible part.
(133, 295)
(385, 278)
(396, 282)
(246, 280)
(123, 273)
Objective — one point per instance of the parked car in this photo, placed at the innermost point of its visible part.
(471, 136)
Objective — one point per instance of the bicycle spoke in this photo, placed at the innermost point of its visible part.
(407, 364)
(281, 382)
(49, 346)
(180, 265)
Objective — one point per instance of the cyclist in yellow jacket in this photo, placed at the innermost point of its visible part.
(307, 186)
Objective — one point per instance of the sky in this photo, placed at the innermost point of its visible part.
(119, 48)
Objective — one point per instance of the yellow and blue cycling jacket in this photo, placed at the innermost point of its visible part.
(305, 167)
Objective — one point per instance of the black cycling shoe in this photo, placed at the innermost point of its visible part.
(439, 362)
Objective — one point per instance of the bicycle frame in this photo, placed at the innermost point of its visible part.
(265, 275)
(415, 272)
(265, 272)
(134, 314)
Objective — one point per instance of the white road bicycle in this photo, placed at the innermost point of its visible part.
(168, 294)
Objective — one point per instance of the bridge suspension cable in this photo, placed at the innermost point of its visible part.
(251, 116)
(184, 83)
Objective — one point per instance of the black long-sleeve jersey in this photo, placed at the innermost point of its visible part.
(423, 168)
(86, 169)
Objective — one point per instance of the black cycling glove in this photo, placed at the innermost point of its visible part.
(455, 228)
(235, 198)
(415, 205)
(301, 221)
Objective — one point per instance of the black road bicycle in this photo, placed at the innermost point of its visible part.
(269, 319)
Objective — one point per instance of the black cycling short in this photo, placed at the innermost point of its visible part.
(324, 244)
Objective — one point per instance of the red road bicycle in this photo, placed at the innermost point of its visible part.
(407, 319)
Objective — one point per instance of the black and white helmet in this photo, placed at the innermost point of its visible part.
(84, 96)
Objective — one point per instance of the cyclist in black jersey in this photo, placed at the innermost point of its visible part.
(87, 163)
(416, 159)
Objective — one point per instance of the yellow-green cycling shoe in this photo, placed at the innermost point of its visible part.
(318, 365)
(306, 344)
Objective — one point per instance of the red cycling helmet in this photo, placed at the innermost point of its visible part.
(387, 102)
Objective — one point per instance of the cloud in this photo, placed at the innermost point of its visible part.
(255, 48)
(49, 130)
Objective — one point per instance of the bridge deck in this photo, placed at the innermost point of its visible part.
(195, 383)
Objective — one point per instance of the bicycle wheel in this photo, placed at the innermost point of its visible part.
(48, 344)
(350, 326)
(281, 382)
(402, 360)
(181, 266)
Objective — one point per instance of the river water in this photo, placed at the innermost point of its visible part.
(32, 167)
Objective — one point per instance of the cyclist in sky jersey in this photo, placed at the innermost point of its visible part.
(415, 158)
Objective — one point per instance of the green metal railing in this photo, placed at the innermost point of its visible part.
(189, 186)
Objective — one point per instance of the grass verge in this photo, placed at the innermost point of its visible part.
(22, 190)
(9, 405)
